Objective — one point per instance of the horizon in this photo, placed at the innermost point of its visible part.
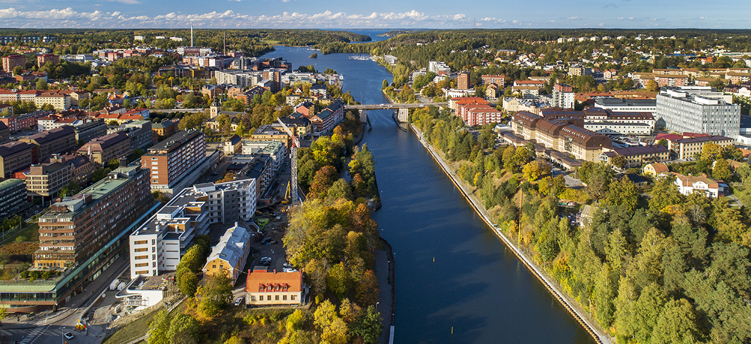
(341, 14)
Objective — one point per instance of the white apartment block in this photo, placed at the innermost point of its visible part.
(562, 99)
(698, 109)
(627, 105)
(158, 244)
(438, 66)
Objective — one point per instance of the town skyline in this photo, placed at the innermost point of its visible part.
(337, 14)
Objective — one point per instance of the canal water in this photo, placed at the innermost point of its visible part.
(452, 273)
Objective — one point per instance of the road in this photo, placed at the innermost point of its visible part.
(391, 106)
(48, 327)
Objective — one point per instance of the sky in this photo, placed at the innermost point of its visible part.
(359, 14)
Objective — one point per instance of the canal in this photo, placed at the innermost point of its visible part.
(451, 270)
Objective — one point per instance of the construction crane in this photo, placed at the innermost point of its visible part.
(293, 157)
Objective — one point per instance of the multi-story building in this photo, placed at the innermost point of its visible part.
(687, 148)
(698, 109)
(60, 101)
(233, 145)
(563, 135)
(81, 168)
(139, 132)
(439, 67)
(462, 81)
(499, 79)
(13, 61)
(4, 133)
(20, 122)
(47, 179)
(638, 155)
(166, 128)
(626, 105)
(671, 80)
(230, 254)
(174, 157)
(79, 226)
(104, 149)
(477, 112)
(14, 156)
(157, 245)
(55, 141)
(90, 130)
(607, 122)
(44, 58)
(326, 120)
(12, 197)
(275, 149)
(274, 288)
(563, 96)
(298, 123)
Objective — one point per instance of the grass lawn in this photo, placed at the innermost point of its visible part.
(30, 233)
(137, 328)
(269, 41)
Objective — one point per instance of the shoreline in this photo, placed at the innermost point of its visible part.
(591, 327)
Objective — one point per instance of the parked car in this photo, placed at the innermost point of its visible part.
(238, 301)
(68, 335)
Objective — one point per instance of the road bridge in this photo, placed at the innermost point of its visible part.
(391, 106)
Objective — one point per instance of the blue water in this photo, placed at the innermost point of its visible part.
(475, 286)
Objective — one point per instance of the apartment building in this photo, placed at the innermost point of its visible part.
(230, 254)
(14, 156)
(157, 245)
(81, 168)
(55, 141)
(605, 121)
(462, 81)
(477, 112)
(46, 180)
(275, 149)
(90, 130)
(20, 122)
(438, 67)
(265, 288)
(4, 133)
(77, 227)
(698, 109)
(104, 149)
(12, 197)
(139, 132)
(60, 101)
(174, 158)
(44, 58)
(326, 120)
(13, 61)
(563, 96)
(497, 79)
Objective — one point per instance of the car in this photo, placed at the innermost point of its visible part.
(68, 335)
(238, 301)
(287, 265)
(266, 259)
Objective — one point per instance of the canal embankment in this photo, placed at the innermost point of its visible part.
(590, 325)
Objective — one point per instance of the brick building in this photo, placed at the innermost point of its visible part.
(174, 157)
(102, 150)
(14, 156)
(55, 141)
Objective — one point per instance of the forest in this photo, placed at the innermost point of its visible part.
(651, 265)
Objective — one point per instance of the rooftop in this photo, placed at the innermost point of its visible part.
(70, 206)
(174, 141)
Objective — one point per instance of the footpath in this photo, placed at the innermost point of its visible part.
(589, 325)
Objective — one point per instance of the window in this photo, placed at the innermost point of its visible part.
(292, 297)
(252, 297)
(284, 297)
(213, 266)
(277, 297)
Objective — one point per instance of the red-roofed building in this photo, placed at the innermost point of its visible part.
(275, 288)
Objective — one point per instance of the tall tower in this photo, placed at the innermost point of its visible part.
(191, 35)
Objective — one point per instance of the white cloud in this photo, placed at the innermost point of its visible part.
(68, 17)
(602, 24)
(574, 18)
(129, 2)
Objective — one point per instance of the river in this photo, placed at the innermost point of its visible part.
(475, 285)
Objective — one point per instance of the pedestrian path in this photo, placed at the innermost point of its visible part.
(32, 337)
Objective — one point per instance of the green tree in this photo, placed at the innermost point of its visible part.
(676, 324)
(215, 295)
(369, 325)
(622, 192)
(340, 189)
(41, 84)
(159, 328)
(618, 161)
(384, 84)
(17, 70)
(722, 170)
(551, 185)
(338, 280)
(323, 180)
(183, 328)
(663, 194)
(188, 283)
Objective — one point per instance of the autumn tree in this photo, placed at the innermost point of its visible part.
(215, 294)
(323, 180)
(535, 170)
